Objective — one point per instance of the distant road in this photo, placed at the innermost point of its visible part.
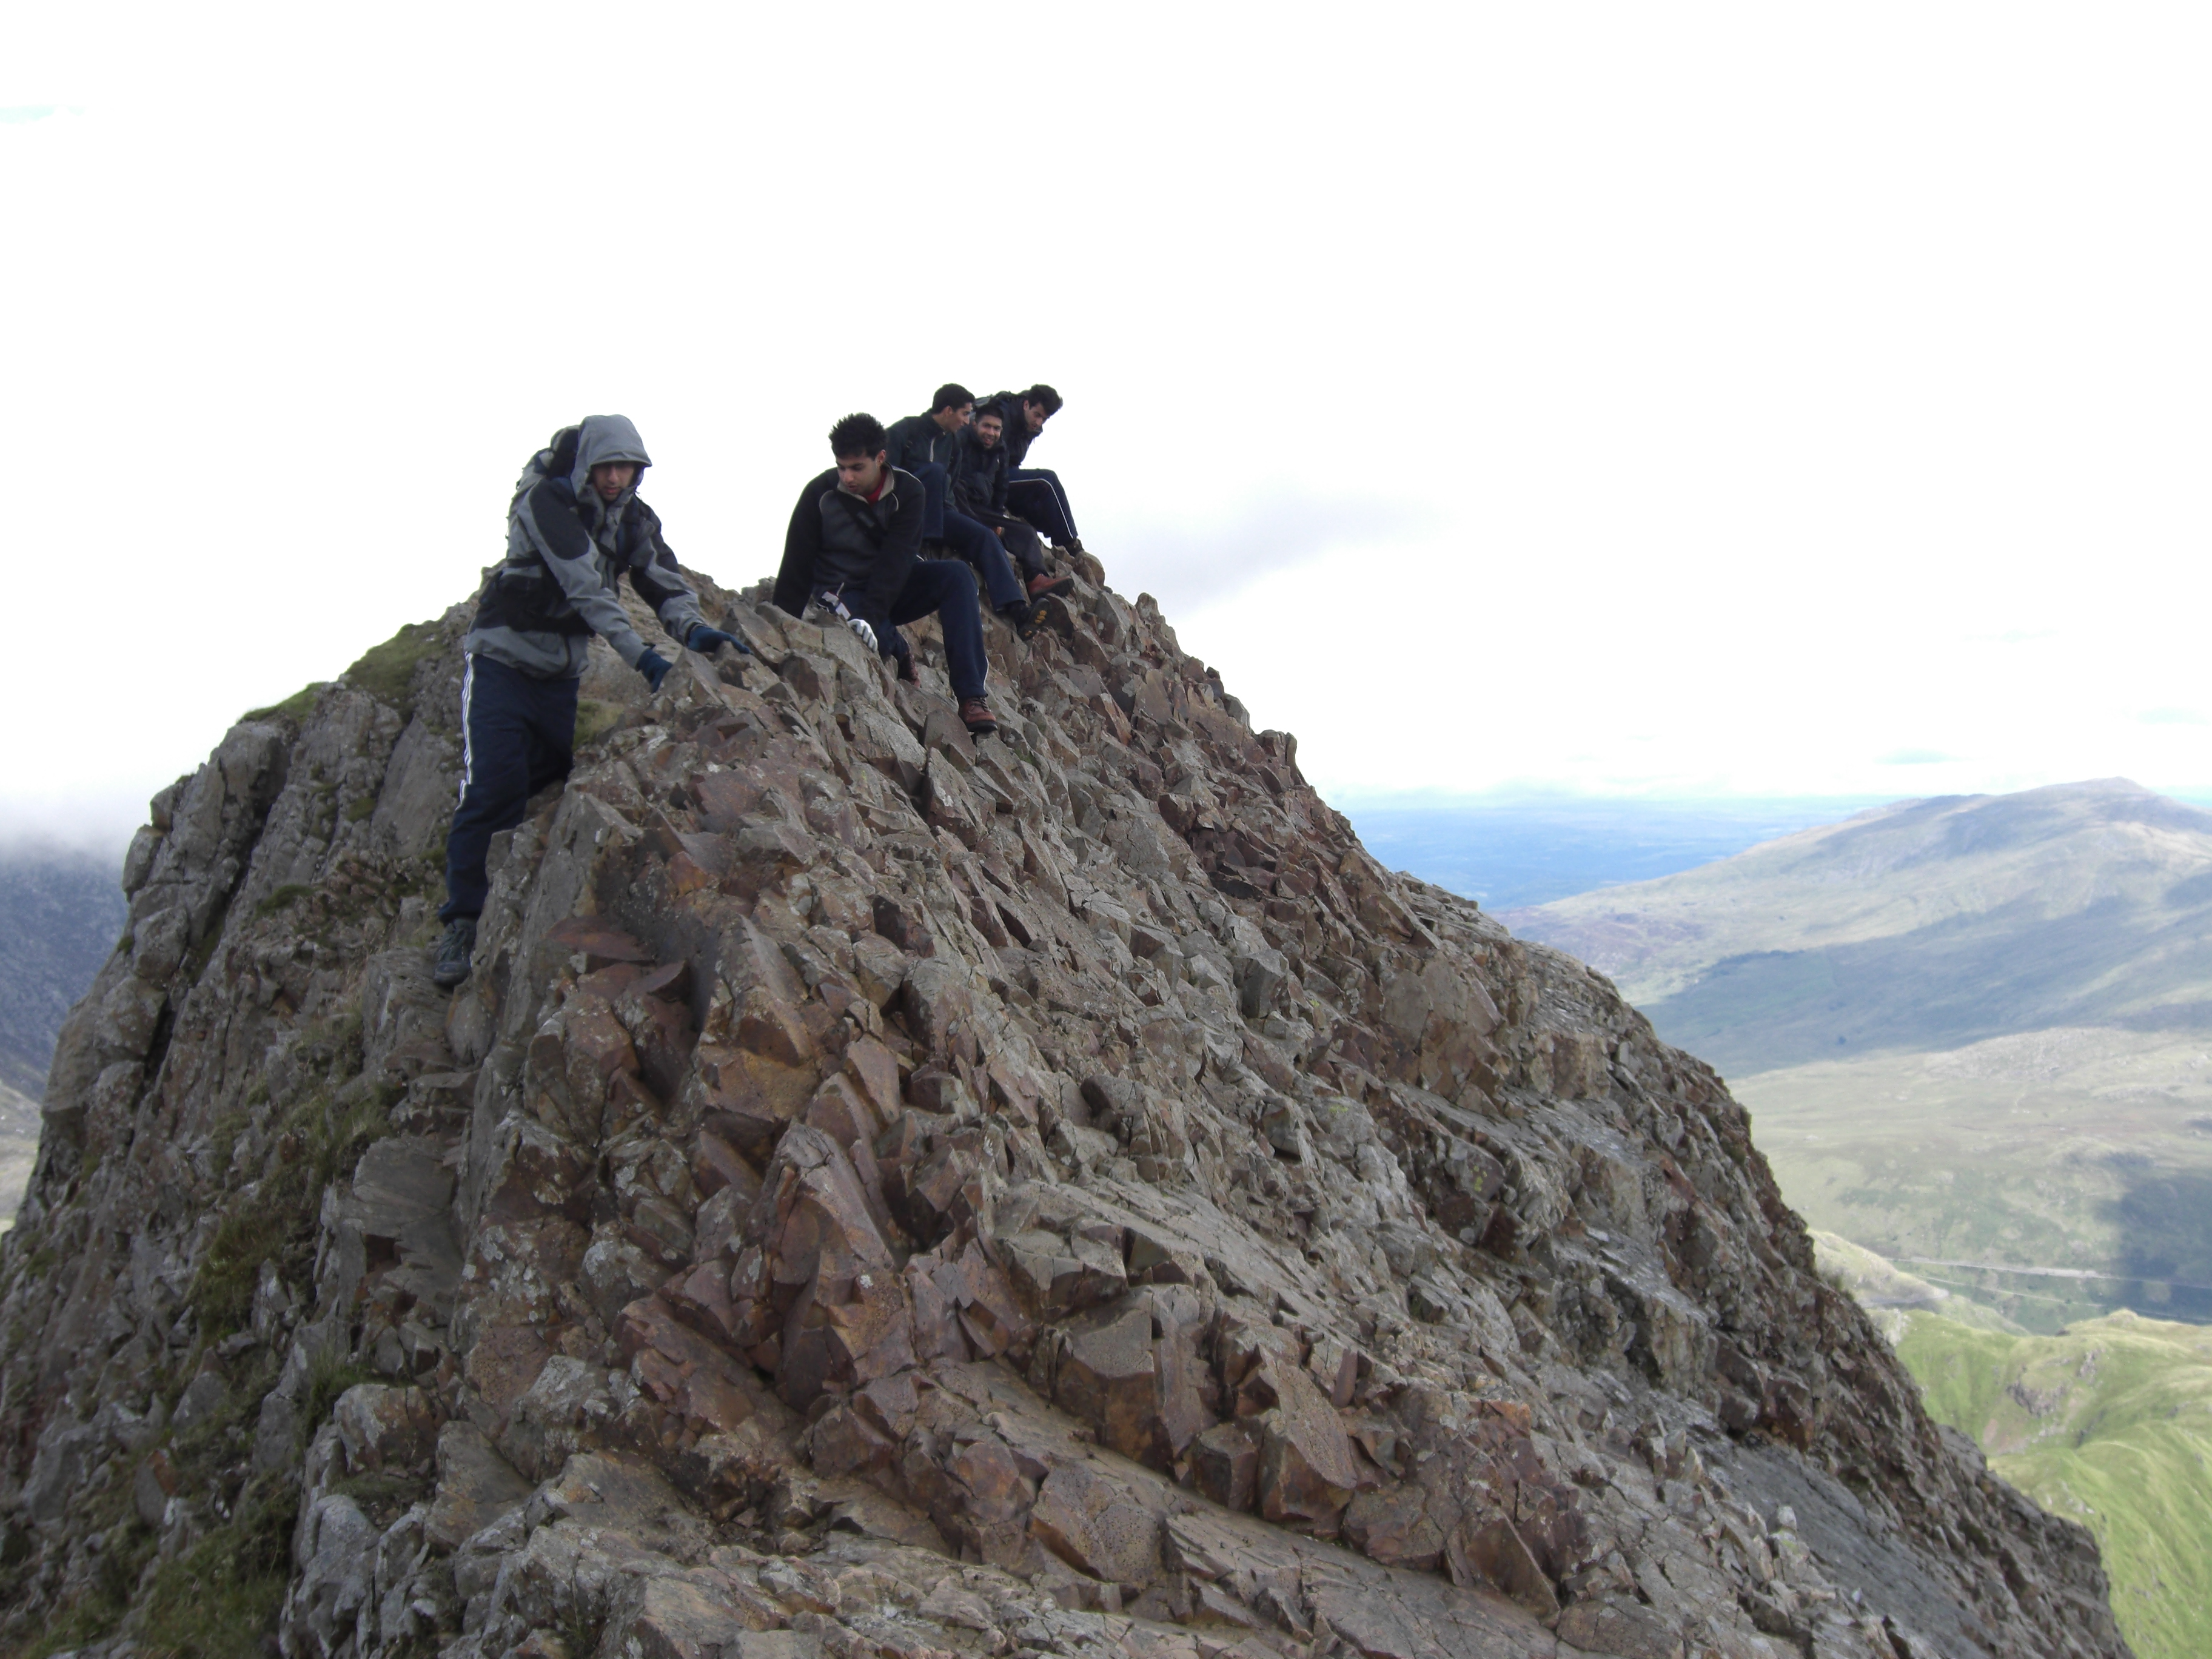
(2052, 1272)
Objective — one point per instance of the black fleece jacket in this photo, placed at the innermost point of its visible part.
(868, 547)
(918, 440)
(979, 478)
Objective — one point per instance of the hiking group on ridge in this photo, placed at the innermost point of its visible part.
(866, 548)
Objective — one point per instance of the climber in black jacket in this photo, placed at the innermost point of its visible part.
(573, 529)
(928, 446)
(979, 490)
(851, 555)
(1035, 492)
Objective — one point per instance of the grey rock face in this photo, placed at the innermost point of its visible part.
(885, 1193)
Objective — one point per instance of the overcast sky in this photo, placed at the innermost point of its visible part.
(1745, 399)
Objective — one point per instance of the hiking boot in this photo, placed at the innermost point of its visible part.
(1073, 547)
(1045, 583)
(907, 670)
(975, 715)
(1025, 617)
(454, 949)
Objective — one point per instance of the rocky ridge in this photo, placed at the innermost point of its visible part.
(883, 1195)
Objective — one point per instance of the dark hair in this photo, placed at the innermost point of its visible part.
(1041, 393)
(951, 395)
(857, 434)
(994, 410)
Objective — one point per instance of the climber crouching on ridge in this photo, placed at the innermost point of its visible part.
(852, 555)
(575, 524)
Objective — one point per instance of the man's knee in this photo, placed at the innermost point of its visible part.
(959, 583)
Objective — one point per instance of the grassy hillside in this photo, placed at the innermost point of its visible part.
(2054, 1175)
(2110, 1423)
(1889, 1292)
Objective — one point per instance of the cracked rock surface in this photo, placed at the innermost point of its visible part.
(882, 1194)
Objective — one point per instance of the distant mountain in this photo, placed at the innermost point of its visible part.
(1505, 851)
(61, 912)
(1973, 1032)
(19, 1148)
(1923, 924)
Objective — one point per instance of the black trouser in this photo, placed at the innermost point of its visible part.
(1035, 493)
(946, 589)
(973, 542)
(517, 733)
(1020, 542)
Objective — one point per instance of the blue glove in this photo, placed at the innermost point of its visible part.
(704, 639)
(654, 667)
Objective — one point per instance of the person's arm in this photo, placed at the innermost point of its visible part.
(802, 541)
(968, 493)
(659, 578)
(894, 563)
(547, 514)
(998, 487)
(899, 441)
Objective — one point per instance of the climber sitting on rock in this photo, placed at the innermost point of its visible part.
(852, 557)
(928, 446)
(1035, 492)
(979, 490)
(574, 526)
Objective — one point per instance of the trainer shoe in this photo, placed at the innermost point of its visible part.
(975, 715)
(454, 949)
(1044, 583)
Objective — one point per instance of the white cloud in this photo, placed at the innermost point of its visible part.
(1703, 397)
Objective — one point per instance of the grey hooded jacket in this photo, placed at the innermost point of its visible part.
(567, 549)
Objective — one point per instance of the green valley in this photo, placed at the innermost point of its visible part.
(2109, 1423)
(1975, 1033)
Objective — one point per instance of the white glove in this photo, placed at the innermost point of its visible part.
(868, 634)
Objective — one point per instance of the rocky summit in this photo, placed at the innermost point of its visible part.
(884, 1194)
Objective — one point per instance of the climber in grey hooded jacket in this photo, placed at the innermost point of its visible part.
(575, 529)
(566, 547)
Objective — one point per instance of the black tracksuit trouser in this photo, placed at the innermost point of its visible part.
(517, 735)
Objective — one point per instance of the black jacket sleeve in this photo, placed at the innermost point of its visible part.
(801, 542)
(905, 439)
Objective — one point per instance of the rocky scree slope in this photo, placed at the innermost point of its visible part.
(883, 1195)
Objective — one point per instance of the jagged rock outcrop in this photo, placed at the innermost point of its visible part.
(885, 1195)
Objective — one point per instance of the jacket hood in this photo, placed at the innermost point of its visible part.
(604, 438)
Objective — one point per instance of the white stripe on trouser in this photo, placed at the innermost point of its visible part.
(468, 731)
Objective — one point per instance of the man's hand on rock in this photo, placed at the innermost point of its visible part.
(654, 667)
(867, 635)
(708, 641)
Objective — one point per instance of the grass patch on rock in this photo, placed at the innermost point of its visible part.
(283, 898)
(296, 708)
(595, 720)
(221, 1598)
(387, 672)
